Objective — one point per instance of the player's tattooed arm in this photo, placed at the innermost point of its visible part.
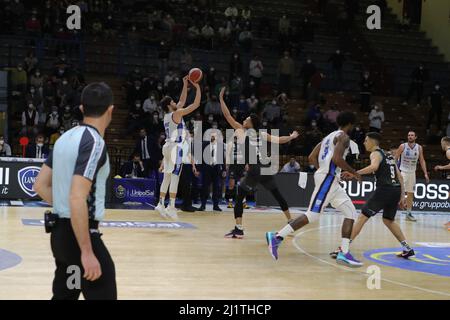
(342, 143)
(313, 158)
(375, 160)
(183, 95)
(177, 115)
(226, 113)
(279, 140)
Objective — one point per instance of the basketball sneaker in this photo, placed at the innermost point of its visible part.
(172, 213)
(348, 260)
(410, 217)
(273, 243)
(162, 211)
(406, 254)
(335, 253)
(245, 205)
(235, 234)
(230, 205)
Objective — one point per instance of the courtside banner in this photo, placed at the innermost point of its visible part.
(17, 177)
(433, 196)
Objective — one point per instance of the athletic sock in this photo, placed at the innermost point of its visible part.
(287, 230)
(345, 245)
(239, 227)
(172, 202)
(161, 201)
(405, 245)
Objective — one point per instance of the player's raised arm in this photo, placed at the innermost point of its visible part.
(183, 95)
(177, 115)
(279, 140)
(342, 143)
(313, 157)
(375, 160)
(226, 113)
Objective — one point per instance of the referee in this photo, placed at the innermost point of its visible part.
(73, 180)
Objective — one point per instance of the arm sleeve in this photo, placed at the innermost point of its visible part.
(91, 156)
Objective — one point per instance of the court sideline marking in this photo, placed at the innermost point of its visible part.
(300, 249)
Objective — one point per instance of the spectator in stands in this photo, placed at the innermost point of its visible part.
(133, 168)
(5, 149)
(150, 104)
(208, 36)
(405, 23)
(313, 137)
(18, 79)
(67, 118)
(330, 117)
(307, 72)
(213, 107)
(156, 125)
(135, 117)
(246, 13)
(194, 35)
(236, 88)
(55, 136)
(307, 29)
(110, 27)
(185, 61)
(211, 79)
(283, 26)
(359, 135)
(419, 76)
(231, 11)
(163, 58)
(235, 65)
(337, 60)
(53, 122)
(291, 167)
(30, 120)
(366, 86)
(253, 104)
(251, 89)
(314, 114)
(256, 69)
(448, 125)
(435, 101)
(313, 90)
(245, 39)
(30, 62)
(97, 30)
(145, 149)
(133, 77)
(33, 27)
(286, 70)
(376, 118)
(225, 33)
(34, 96)
(272, 112)
(243, 106)
(37, 81)
(136, 93)
(38, 150)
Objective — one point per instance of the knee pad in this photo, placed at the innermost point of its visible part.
(348, 210)
(312, 216)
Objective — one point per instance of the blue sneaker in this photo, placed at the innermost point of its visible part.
(348, 260)
(273, 242)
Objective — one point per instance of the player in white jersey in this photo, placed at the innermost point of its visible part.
(445, 144)
(409, 153)
(329, 158)
(172, 150)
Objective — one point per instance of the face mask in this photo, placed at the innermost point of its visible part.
(19, 68)
(38, 74)
(2, 142)
(253, 97)
(252, 83)
(32, 90)
(152, 98)
(40, 144)
(55, 113)
(274, 102)
(159, 88)
(376, 108)
(357, 129)
(437, 87)
(264, 124)
(61, 132)
(309, 61)
(313, 124)
(156, 117)
(61, 71)
(210, 118)
(64, 83)
(67, 108)
(214, 126)
(138, 106)
(31, 107)
(234, 110)
(162, 137)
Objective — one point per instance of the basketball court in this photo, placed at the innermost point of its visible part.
(157, 259)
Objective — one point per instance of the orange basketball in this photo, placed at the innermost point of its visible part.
(195, 75)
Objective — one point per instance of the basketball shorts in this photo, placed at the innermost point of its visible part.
(173, 155)
(327, 190)
(383, 198)
(409, 178)
(236, 171)
(253, 177)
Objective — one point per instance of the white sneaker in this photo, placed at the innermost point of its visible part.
(172, 213)
(162, 211)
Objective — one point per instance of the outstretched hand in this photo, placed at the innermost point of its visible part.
(222, 92)
(186, 79)
(294, 135)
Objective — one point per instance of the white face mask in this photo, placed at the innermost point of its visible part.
(40, 144)
(2, 142)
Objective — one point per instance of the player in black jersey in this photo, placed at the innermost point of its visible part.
(236, 170)
(389, 193)
(445, 144)
(252, 140)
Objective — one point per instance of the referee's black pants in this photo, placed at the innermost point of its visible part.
(185, 185)
(67, 256)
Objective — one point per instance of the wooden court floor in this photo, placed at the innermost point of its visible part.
(200, 264)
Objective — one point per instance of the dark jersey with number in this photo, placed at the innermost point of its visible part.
(386, 175)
